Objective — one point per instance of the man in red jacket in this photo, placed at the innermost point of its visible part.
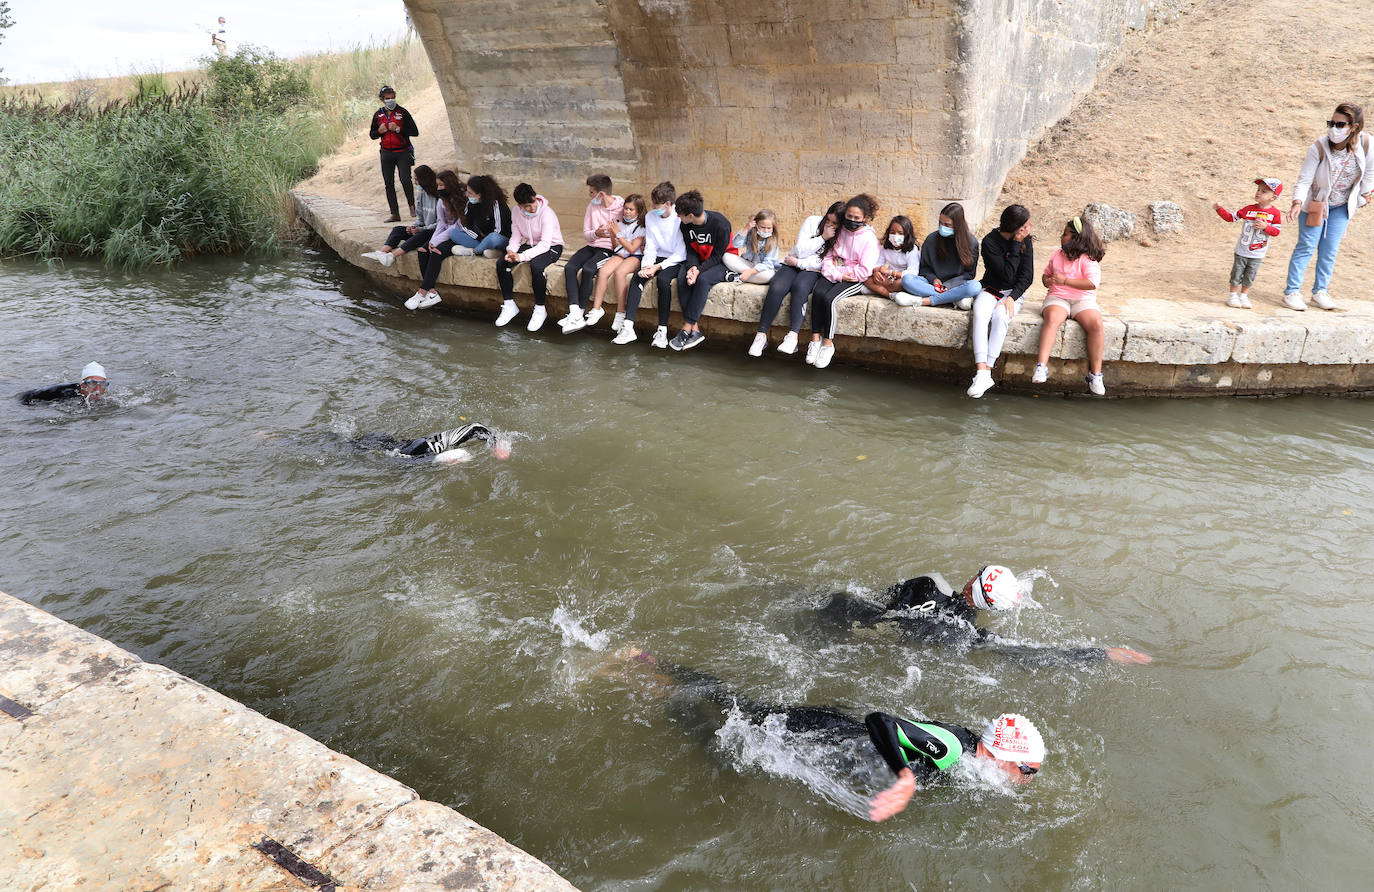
(394, 126)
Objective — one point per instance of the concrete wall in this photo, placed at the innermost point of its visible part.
(786, 104)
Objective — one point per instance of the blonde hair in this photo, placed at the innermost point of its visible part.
(753, 243)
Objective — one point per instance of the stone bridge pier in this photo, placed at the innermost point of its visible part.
(786, 104)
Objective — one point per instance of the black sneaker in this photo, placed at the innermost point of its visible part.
(693, 338)
(679, 341)
(732, 276)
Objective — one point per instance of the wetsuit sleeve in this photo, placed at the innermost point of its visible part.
(50, 394)
(912, 593)
(904, 744)
(843, 610)
(1036, 655)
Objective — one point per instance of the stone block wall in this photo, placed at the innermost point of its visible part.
(787, 104)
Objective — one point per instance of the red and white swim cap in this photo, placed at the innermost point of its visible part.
(996, 588)
(1014, 738)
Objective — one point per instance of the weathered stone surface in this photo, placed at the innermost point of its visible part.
(1111, 223)
(1169, 344)
(1268, 341)
(130, 776)
(1340, 341)
(1166, 217)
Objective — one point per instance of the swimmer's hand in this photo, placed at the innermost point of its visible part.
(500, 448)
(892, 800)
(1126, 655)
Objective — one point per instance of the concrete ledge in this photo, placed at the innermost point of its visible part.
(120, 774)
(1176, 350)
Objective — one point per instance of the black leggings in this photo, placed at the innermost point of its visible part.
(692, 298)
(664, 282)
(431, 262)
(586, 261)
(788, 280)
(392, 164)
(408, 242)
(824, 296)
(538, 280)
(707, 687)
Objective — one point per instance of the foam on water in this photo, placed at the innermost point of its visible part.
(572, 630)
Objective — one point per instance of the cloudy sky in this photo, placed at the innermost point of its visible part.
(56, 40)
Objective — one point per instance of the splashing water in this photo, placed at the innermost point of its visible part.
(1027, 580)
(573, 633)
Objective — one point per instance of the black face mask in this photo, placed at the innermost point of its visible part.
(853, 225)
(442, 191)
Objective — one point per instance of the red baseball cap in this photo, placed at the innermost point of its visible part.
(1273, 185)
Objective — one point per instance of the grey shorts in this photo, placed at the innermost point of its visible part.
(1244, 270)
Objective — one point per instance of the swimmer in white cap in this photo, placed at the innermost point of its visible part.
(927, 609)
(918, 752)
(445, 447)
(91, 388)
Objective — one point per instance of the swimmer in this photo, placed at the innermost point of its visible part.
(445, 447)
(917, 752)
(926, 608)
(92, 387)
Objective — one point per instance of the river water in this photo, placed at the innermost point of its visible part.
(453, 626)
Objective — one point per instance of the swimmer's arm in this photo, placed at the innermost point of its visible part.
(1034, 655)
(895, 798)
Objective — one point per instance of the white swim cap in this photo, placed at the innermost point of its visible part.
(1014, 738)
(996, 588)
(93, 370)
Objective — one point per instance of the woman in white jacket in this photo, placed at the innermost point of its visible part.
(1337, 179)
(797, 275)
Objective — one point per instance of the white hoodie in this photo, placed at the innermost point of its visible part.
(663, 243)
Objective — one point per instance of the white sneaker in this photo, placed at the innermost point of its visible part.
(660, 338)
(1245, 302)
(508, 312)
(388, 258)
(537, 318)
(964, 303)
(430, 300)
(626, 333)
(813, 350)
(616, 322)
(413, 302)
(1235, 301)
(374, 255)
(494, 253)
(1042, 374)
(902, 299)
(1095, 384)
(760, 341)
(1293, 301)
(574, 321)
(1323, 300)
(595, 316)
(982, 383)
(789, 343)
(461, 251)
(824, 355)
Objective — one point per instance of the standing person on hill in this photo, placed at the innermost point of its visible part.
(707, 237)
(848, 259)
(484, 222)
(1072, 278)
(949, 263)
(600, 222)
(536, 239)
(432, 255)
(219, 38)
(1337, 179)
(1008, 270)
(394, 126)
(408, 238)
(796, 276)
(664, 252)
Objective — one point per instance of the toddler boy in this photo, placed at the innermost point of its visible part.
(1261, 223)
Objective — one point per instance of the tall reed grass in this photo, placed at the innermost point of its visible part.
(160, 176)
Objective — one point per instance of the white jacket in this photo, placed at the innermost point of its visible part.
(1314, 180)
(663, 245)
(809, 242)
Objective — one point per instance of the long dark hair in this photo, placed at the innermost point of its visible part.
(909, 241)
(1082, 240)
(489, 192)
(1356, 116)
(867, 205)
(454, 187)
(955, 212)
(424, 175)
(1014, 216)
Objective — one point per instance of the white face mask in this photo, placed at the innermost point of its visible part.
(1338, 134)
(764, 234)
(896, 241)
(596, 200)
(389, 103)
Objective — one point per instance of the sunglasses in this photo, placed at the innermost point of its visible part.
(93, 384)
(1026, 769)
(1338, 123)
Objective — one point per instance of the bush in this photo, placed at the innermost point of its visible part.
(255, 80)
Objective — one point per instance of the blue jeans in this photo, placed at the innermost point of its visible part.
(493, 240)
(917, 285)
(1325, 240)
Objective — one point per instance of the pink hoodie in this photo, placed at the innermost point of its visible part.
(853, 252)
(540, 232)
(602, 215)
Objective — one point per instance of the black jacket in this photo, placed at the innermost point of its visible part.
(707, 243)
(1007, 265)
(408, 128)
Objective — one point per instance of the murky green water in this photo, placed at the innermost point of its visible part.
(447, 625)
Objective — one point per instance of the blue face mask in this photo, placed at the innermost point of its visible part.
(664, 212)
(529, 213)
(946, 231)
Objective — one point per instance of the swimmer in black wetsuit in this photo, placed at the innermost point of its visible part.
(92, 387)
(445, 447)
(916, 752)
(925, 608)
